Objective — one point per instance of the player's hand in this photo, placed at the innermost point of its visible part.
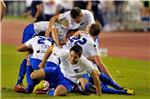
(41, 65)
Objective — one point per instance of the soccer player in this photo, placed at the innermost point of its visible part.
(29, 31)
(74, 65)
(74, 19)
(87, 42)
(39, 45)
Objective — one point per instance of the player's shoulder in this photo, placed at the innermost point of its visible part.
(64, 15)
(86, 12)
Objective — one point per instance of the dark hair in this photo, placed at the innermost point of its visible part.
(75, 12)
(95, 29)
(76, 48)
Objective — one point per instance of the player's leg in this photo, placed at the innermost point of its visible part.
(107, 90)
(22, 71)
(107, 80)
(27, 34)
(63, 88)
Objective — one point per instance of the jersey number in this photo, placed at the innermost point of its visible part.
(42, 39)
(79, 41)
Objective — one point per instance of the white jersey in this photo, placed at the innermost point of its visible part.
(61, 31)
(40, 44)
(87, 43)
(87, 20)
(74, 72)
(40, 26)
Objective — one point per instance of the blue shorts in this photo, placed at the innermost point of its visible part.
(55, 78)
(28, 33)
(35, 63)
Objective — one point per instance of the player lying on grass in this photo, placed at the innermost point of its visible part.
(73, 66)
(77, 68)
(29, 31)
(45, 73)
(39, 45)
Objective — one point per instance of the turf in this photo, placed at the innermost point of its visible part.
(133, 74)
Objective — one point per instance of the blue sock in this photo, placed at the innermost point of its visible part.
(51, 92)
(107, 80)
(113, 91)
(22, 71)
(89, 87)
(30, 82)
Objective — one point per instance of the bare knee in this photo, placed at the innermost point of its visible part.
(60, 91)
(38, 74)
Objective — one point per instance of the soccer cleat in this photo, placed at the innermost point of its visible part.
(124, 88)
(19, 88)
(39, 87)
(130, 92)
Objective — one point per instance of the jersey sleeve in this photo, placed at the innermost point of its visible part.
(60, 52)
(90, 18)
(29, 43)
(93, 49)
(88, 65)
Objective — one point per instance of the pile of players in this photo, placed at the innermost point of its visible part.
(61, 57)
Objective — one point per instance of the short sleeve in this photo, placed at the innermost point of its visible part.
(60, 52)
(29, 43)
(90, 18)
(93, 49)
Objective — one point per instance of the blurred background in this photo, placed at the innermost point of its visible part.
(131, 15)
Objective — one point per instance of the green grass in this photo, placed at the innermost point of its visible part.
(133, 74)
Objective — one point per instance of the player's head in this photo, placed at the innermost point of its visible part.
(76, 14)
(95, 29)
(75, 54)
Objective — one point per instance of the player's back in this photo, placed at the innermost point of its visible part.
(40, 44)
(85, 41)
(40, 26)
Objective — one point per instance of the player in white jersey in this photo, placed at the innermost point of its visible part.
(40, 44)
(29, 31)
(74, 19)
(73, 66)
(87, 42)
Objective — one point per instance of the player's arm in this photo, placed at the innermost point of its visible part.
(27, 46)
(23, 48)
(55, 36)
(96, 79)
(101, 65)
(51, 23)
(3, 9)
(94, 74)
(47, 54)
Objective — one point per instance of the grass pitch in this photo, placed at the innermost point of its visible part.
(134, 74)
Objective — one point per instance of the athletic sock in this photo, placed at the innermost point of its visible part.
(30, 82)
(51, 92)
(22, 71)
(113, 91)
(107, 80)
